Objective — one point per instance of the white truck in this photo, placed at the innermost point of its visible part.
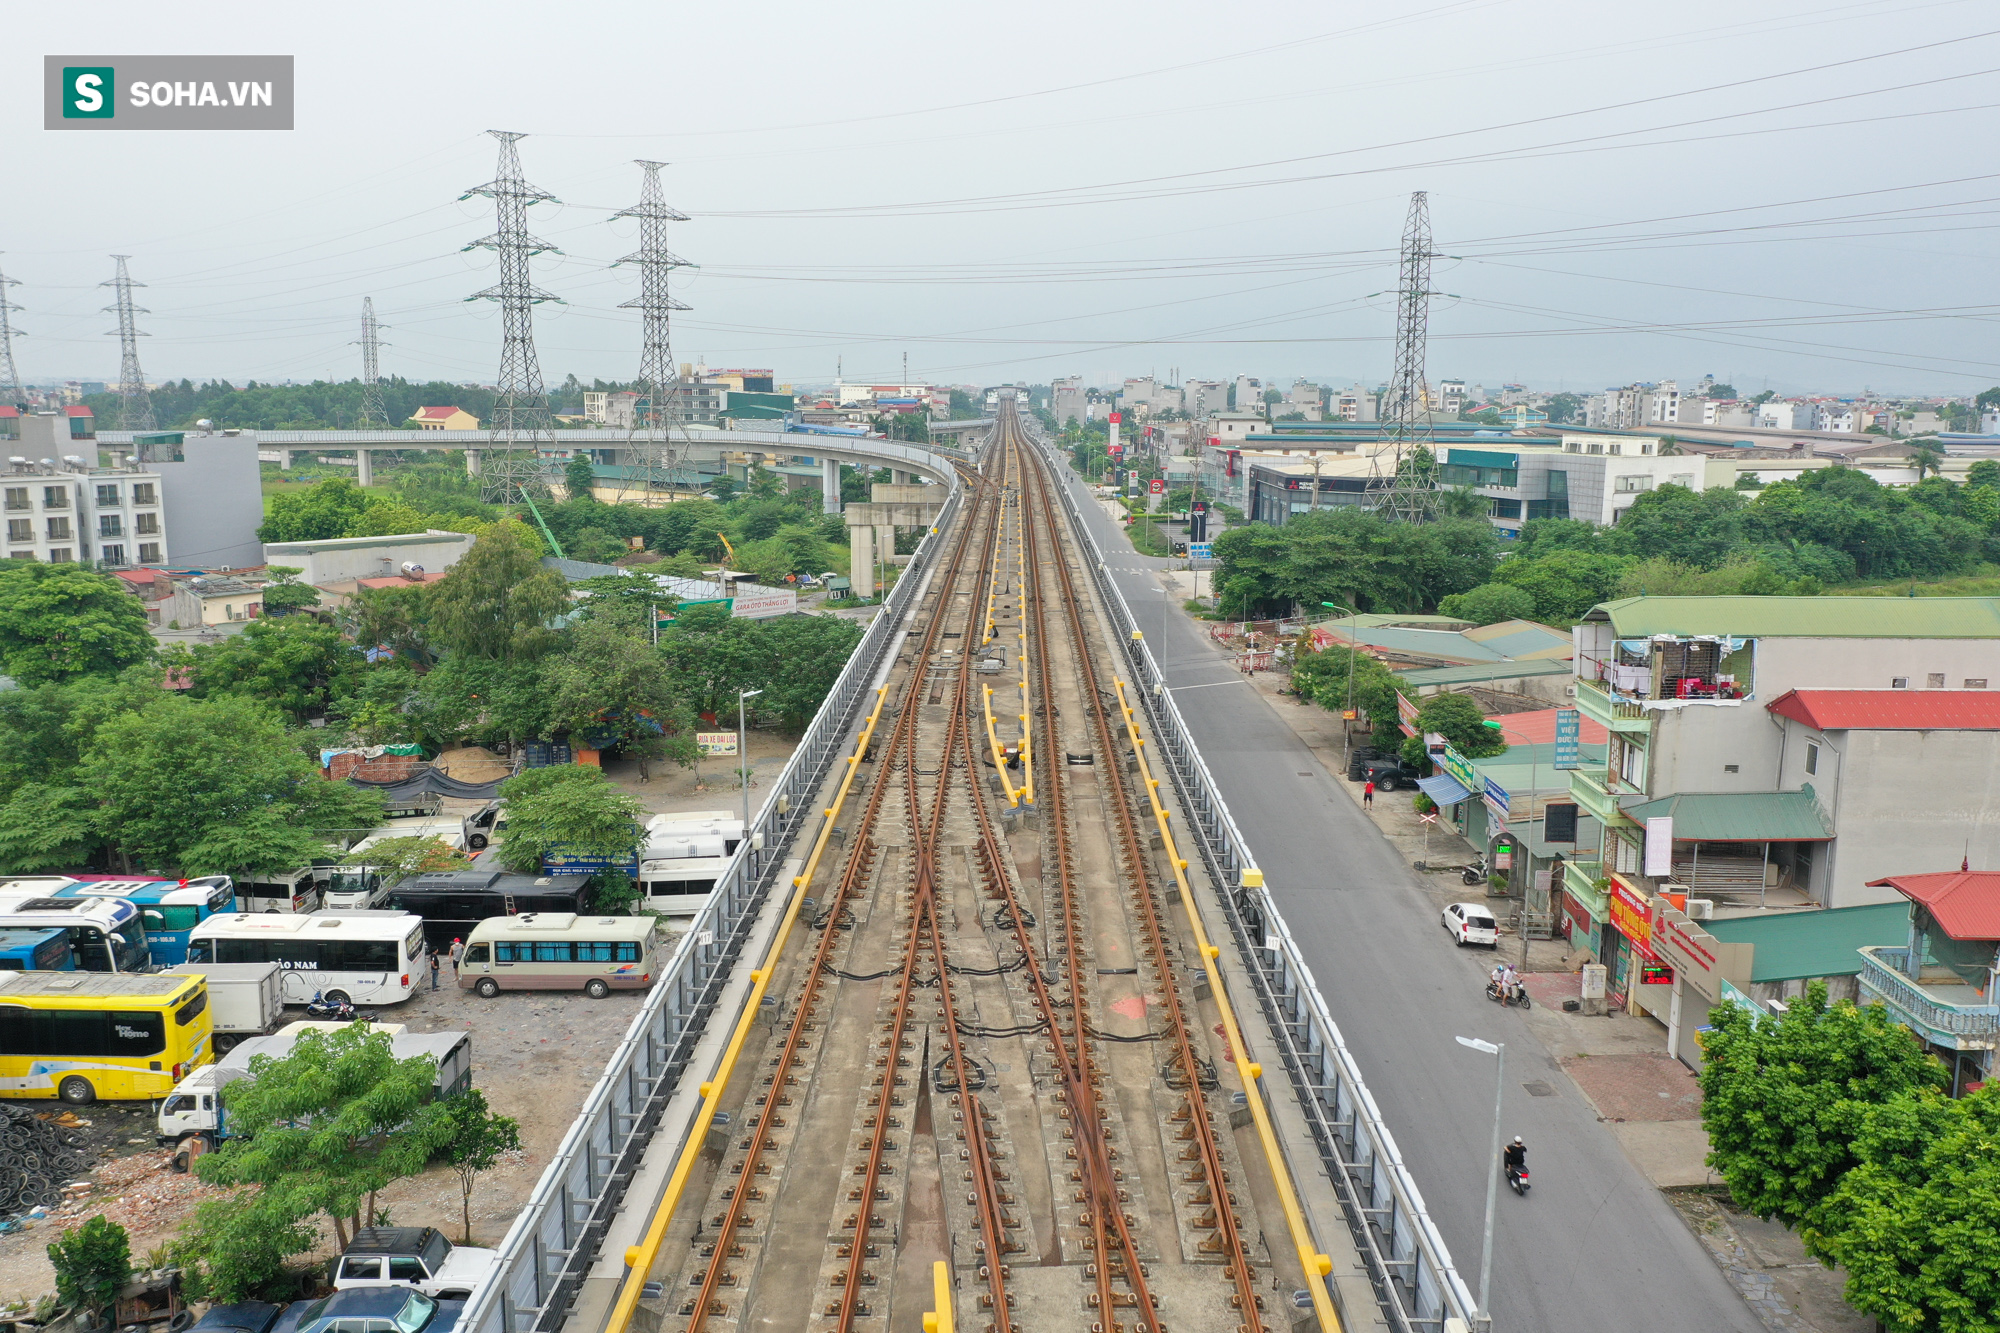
(193, 1113)
(244, 999)
(354, 886)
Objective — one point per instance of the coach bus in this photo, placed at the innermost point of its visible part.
(80, 1036)
(452, 902)
(355, 957)
(36, 951)
(105, 934)
(168, 908)
(679, 885)
(559, 951)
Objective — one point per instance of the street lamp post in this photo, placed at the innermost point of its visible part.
(1498, 1050)
(1347, 723)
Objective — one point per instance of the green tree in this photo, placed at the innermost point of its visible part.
(611, 687)
(297, 665)
(318, 513)
(214, 785)
(1918, 1227)
(1489, 603)
(1722, 392)
(1322, 677)
(47, 826)
(328, 1125)
(497, 601)
(1460, 720)
(399, 858)
(285, 594)
(479, 699)
(475, 1139)
(396, 618)
(1784, 1098)
(1927, 460)
(1562, 407)
(1985, 472)
(62, 622)
(1564, 583)
(579, 478)
(574, 806)
(631, 603)
(91, 1264)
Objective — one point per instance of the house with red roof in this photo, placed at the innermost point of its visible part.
(1940, 981)
(444, 418)
(1907, 780)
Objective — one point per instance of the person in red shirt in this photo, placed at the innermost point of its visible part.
(1368, 795)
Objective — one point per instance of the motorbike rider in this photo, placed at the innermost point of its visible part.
(1515, 1159)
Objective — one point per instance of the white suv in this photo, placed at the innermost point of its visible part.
(417, 1257)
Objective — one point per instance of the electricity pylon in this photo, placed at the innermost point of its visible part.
(1405, 465)
(662, 430)
(373, 411)
(135, 405)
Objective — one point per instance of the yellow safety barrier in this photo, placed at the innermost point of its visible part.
(1315, 1265)
(639, 1258)
(939, 1320)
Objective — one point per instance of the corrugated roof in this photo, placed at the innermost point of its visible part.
(1525, 641)
(1965, 903)
(1795, 946)
(1742, 816)
(1474, 672)
(1892, 710)
(1805, 617)
(1538, 727)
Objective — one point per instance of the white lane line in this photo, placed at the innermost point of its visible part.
(1205, 684)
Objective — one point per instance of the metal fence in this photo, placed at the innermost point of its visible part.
(554, 1241)
(1415, 1282)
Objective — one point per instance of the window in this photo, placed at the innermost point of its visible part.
(58, 529)
(149, 553)
(146, 525)
(159, 917)
(1627, 485)
(1682, 479)
(113, 554)
(1812, 759)
(20, 529)
(1935, 680)
(55, 497)
(1628, 857)
(107, 495)
(1499, 508)
(84, 1033)
(553, 951)
(477, 953)
(1899, 682)
(59, 555)
(143, 493)
(1975, 682)
(17, 497)
(192, 1010)
(406, 1269)
(110, 525)
(368, 1270)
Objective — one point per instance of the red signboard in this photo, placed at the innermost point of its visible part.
(1655, 974)
(1117, 417)
(1157, 486)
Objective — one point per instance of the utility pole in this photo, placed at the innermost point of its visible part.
(10, 379)
(135, 405)
(373, 412)
(521, 428)
(1403, 493)
(659, 381)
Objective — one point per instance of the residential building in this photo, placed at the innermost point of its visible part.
(1306, 399)
(1706, 792)
(593, 407)
(212, 499)
(1203, 398)
(1839, 417)
(339, 559)
(1249, 394)
(1618, 409)
(1783, 414)
(211, 601)
(1356, 403)
(75, 512)
(1936, 973)
(1450, 399)
(1665, 407)
(1231, 429)
(1067, 396)
(445, 418)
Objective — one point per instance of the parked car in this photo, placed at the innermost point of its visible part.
(416, 1257)
(372, 1310)
(243, 1317)
(1471, 923)
(1388, 774)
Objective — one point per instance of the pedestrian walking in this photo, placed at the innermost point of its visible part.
(457, 952)
(1368, 795)
(434, 969)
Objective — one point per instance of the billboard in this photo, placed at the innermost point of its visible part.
(715, 742)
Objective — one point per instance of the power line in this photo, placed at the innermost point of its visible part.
(135, 405)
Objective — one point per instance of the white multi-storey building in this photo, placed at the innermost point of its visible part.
(74, 512)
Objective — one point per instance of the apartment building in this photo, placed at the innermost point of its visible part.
(1774, 752)
(74, 512)
(1356, 403)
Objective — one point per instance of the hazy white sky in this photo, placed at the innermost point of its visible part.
(1786, 192)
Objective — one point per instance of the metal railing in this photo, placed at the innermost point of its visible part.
(1882, 972)
(1415, 1283)
(555, 1239)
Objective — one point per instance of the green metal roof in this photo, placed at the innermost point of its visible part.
(1805, 617)
(1794, 946)
(1749, 816)
(1476, 672)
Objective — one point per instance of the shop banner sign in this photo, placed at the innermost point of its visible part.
(1461, 770)
(1628, 913)
(1406, 718)
(1498, 801)
(1660, 847)
(1568, 729)
(715, 742)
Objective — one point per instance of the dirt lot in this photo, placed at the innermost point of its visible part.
(535, 1055)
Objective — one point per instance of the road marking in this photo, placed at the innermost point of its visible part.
(1205, 684)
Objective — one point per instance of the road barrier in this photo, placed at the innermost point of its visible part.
(555, 1239)
(1415, 1283)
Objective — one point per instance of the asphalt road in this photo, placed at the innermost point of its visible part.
(1594, 1246)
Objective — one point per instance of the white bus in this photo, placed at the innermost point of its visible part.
(697, 824)
(362, 957)
(559, 951)
(354, 885)
(288, 892)
(679, 885)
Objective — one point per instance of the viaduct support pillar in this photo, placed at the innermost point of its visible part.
(861, 565)
(364, 467)
(830, 486)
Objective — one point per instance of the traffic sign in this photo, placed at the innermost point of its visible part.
(1201, 551)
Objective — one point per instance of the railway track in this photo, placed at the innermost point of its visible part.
(989, 1046)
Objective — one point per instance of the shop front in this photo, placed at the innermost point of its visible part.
(1632, 976)
(1704, 970)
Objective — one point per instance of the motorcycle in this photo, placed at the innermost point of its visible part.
(1515, 994)
(1517, 1176)
(330, 1011)
(1474, 873)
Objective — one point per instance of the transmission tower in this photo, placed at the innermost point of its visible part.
(373, 411)
(135, 405)
(513, 468)
(1405, 490)
(10, 379)
(658, 446)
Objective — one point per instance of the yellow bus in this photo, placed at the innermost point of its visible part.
(125, 1036)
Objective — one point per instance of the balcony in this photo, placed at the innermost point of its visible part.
(1580, 882)
(1598, 794)
(1616, 712)
(1946, 1012)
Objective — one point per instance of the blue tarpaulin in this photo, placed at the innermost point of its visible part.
(1444, 789)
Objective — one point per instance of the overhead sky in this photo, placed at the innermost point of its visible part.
(1788, 194)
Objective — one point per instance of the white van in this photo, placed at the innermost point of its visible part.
(559, 951)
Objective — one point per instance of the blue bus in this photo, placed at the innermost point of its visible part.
(105, 933)
(168, 908)
(36, 951)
